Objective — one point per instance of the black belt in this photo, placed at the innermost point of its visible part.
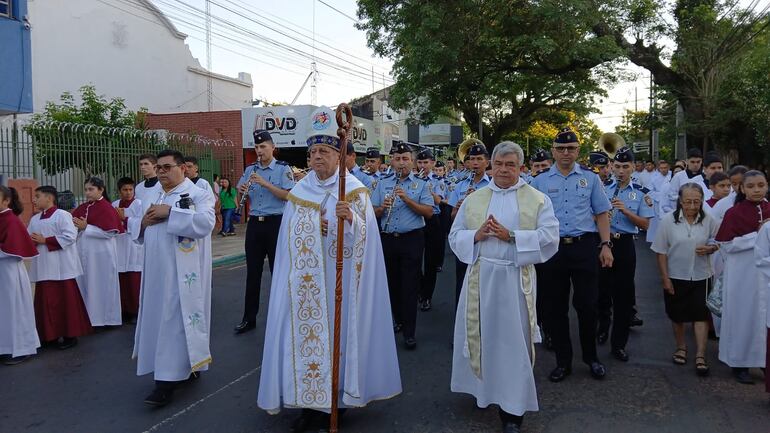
(622, 236)
(401, 235)
(569, 240)
(264, 218)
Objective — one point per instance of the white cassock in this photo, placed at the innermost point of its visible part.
(18, 335)
(58, 265)
(141, 188)
(99, 283)
(204, 185)
(130, 253)
(172, 330)
(296, 363)
(762, 260)
(743, 335)
(501, 373)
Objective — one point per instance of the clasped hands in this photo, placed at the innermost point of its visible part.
(342, 210)
(156, 214)
(492, 228)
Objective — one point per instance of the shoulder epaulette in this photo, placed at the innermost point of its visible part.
(585, 167)
(641, 188)
(387, 175)
(281, 162)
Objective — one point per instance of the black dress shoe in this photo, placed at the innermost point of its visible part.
(410, 343)
(161, 395)
(511, 427)
(397, 328)
(559, 373)
(67, 343)
(245, 326)
(309, 419)
(742, 376)
(598, 371)
(602, 336)
(620, 354)
(636, 321)
(425, 305)
(16, 360)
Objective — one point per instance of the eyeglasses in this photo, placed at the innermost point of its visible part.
(165, 167)
(565, 149)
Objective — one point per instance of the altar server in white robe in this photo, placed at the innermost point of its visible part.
(742, 339)
(147, 163)
(192, 173)
(130, 253)
(501, 231)
(762, 258)
(172, 331)
(98, 224)
(297, 356)
(18, 336)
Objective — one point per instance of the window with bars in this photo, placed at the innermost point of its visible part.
(5, 8)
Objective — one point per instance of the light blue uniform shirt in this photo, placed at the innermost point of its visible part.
(438, 187)
(261, 201)
(404, 219)
(363, 177)
(576, 198)
(460, 189)
(636, 200)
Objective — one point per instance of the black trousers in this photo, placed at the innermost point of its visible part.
(433, 258)
(261, 240)
(445, 217)
(575, 265)
(403, 259)
(460, 269)
(617, 283)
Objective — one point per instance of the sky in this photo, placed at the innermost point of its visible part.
(275, 42)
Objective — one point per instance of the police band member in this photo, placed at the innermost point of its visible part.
(435, 236)
(540, 161)
(600, 164)
(372, 163)
(581, 207)
(354, 169)
(267, 183)
(476, 162)
(446, 210)
(403, 202)
(631, 211)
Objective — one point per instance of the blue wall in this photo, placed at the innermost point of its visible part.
(15, 62)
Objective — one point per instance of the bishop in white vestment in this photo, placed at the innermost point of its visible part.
(501, 231)
(297, 357)
(172, 330)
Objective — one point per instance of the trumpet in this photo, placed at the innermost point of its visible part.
(245, 196)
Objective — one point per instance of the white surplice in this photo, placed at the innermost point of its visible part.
(130, 253)
(762, 260)
(18, 335)
(658, 189)
(506, 365)
(58, 265)
(296, 364)
(99, 284)
(205, 185)
(172, 329)
(743, 335)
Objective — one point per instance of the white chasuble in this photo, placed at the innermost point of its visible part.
(172, 329)
(495, 324)
(297, 358)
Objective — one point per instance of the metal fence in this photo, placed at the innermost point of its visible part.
(65, 154)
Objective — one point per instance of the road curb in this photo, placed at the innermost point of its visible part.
(228, 260)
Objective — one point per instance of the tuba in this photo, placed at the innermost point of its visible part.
(465, 146)
(610, 142)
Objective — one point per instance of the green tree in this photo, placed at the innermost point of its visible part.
(499, 61)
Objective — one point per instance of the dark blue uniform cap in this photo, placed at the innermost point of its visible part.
(540, 155)
(439, 163)
(598, 158)
(351, 149)
(478, 149)
(625, 154)
(425, 154)
(400, 147)
(261, 136)
(372, 152)
(566, 135)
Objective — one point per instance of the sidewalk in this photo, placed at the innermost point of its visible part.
(228, 250)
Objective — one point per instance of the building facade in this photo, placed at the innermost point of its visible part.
(15, 58)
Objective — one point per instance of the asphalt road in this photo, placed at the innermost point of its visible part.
(93, 387)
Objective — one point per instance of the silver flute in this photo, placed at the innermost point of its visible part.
(245, 196)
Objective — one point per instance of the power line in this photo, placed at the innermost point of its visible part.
(338, 11)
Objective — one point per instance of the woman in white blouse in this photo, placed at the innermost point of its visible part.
(684, 241)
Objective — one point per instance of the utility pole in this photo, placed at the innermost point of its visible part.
(652, 118)
(209, 78)
(481, 123)
(313, 68)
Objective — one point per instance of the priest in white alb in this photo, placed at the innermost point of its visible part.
(501, 231)
(297, 357)
(172, 330)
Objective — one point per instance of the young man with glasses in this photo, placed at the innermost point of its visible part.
(581, 207)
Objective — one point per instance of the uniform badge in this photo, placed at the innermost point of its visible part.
(289, 174)
(451, 187)
(414, 185)
(648, 200)
(583, 182)
(441, 186)
(632, 195)
(374, 184)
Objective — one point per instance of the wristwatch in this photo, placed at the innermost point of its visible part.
(603, 243)
(511, 237)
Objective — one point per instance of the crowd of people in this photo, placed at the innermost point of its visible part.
(527, 240)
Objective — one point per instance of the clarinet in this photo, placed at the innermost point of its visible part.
(245, 196)
(395, 199)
